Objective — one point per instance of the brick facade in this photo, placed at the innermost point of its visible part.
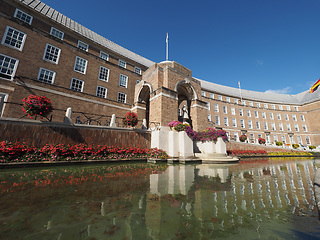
(155, 91)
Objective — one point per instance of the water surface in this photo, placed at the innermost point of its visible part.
(258, 199)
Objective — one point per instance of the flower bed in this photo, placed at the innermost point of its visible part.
(210, 134)
(21, 152)
(246, 152)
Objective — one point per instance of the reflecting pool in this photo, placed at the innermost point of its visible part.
(257, 199)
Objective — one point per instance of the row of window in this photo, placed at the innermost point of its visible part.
(251, 104)
(250, 124)
(268, 138)
(16, 38)
(256, 113)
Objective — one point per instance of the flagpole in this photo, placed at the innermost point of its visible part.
(240, 91)
(167, 47)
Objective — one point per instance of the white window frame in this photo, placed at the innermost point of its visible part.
(286, 116)
(234, 122)
(220, 98)
(225, 121)
(21, 41)
(296, 108)
(203, 93)
(279, 116)
(271, 116)
(265, 125)
(23, 16)
(288, 108)
(264, 115)
(98, 92)
(56, 33)
(304, 127)
(265, 105)
(250, 124)
(288, 126)
(251, 104)
(45, 80)
(275, 138)
(104, 55)
(242, 123)
(302, 118)
(280, 107)
(225, 109)
(137, 70)
(273, 106)
(217, 120)
(273, 127)
(236, 101)
(57, 56)
(208, 106)
(258, 105)
(102, 76)
(82, 84)
(123, 79)
(125, 97)
(216, 107)
(296, 127)
(212, 95)
(83, 46)
(241, 112)
(294, 117)
(7, 67)
(243, 102)
(233, 111)
(77, 66)
(228, 99)
(308, 142)
(258, 124)
(280, 127)
(248, 113)
(256, 114)
(122, 63)
(209, 117)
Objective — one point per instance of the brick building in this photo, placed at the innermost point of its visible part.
(45, 53)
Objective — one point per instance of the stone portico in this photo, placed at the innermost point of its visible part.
(165, 88)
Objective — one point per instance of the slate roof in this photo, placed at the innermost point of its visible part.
(58, 17)
(298, 99)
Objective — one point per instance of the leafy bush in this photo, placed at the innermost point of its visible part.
(243, 138)
(295, 146)
(312, 147)
(279, 143)
(130, 119)
(37, 105)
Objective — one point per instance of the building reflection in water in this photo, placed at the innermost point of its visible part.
(217, 200)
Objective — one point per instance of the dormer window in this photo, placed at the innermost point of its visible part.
(25, 17)
(83, 46)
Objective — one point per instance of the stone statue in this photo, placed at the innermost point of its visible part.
(185, 114)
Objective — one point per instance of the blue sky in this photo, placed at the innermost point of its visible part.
(267, 45)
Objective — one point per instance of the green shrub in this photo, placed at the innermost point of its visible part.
(279, 143)
(312, 147)
(295, 146)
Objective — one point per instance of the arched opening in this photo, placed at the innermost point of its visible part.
(186, 93)
(144, 98)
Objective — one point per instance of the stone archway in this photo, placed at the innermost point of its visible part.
(144, 98)
(186, 94)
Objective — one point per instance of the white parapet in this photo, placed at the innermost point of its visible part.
(185, 145)
(221, 146)
(173, 144)
(176, 144)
